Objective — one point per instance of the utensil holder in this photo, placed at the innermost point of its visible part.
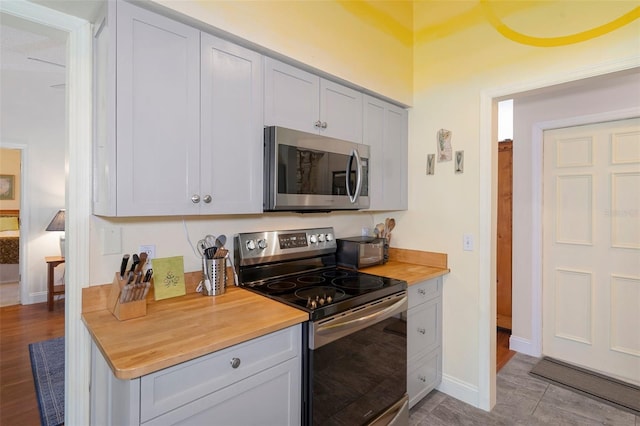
(215, 270)
(128, 310)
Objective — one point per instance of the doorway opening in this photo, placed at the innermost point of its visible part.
(504, 233)
(10, 195)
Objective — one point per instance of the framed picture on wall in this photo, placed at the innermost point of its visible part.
(7, 187)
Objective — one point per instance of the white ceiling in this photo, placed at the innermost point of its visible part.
(29, 48)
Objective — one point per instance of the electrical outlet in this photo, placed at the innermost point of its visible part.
(467, 242)
(150, 249)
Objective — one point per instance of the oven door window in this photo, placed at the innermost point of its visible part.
(359, 376)
(311, 172)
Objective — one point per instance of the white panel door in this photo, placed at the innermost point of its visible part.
(591, 247)
(158, 114)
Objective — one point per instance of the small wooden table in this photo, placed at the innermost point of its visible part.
(52, 290)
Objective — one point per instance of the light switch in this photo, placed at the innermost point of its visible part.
(467, 242)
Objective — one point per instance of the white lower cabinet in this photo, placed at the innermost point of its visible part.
(254, 383)
(424, 339)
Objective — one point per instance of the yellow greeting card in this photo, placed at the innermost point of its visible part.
(168, 277)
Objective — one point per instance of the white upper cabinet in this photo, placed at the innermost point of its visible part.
(385, 131)
(151, 145)
(302, 101)
(232, 132)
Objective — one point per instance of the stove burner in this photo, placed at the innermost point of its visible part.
(281, 285)
(319, 296)
(335, 274)
(311, 279)
(359, 282)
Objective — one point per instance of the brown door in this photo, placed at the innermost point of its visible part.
(505, 187)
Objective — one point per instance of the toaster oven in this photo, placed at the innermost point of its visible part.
(359, 252)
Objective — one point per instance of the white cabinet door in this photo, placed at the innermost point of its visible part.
(424, 339)
(291, 97)
(269, 398)
(385, 131)
(340, 112)
(303, 101)
(158, 112)
(232, 133)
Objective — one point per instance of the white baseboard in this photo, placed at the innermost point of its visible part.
(38, 297)
(458, 389)
(524, 346)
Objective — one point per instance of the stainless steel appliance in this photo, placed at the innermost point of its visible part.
(355, 342)
(309, 172)
(360, 252)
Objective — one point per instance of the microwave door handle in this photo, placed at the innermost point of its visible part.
(353, 198)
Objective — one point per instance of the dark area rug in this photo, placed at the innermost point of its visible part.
(606, 389)
(47, 365)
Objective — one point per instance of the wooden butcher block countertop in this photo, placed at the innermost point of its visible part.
(183, 328)
(412, 266)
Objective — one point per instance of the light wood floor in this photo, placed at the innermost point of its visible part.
(19, 326)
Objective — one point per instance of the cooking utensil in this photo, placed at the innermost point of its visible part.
(123, 265)
(380, 230)
(221, 241)
(391, 224)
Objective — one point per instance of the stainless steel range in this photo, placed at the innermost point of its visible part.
(355, 347)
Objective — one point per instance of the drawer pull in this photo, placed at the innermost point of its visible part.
(422, 291)
(422, 379)
(422, 331)
(235, 362)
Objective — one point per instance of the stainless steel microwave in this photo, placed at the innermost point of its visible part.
(309, 172)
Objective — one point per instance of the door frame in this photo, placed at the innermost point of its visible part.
(78, 192)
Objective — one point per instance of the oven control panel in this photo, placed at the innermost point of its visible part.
(268, 246)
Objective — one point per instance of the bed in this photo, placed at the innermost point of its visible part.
(9, 237)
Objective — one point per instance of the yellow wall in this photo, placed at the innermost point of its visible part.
(366, 43)
(455, 63)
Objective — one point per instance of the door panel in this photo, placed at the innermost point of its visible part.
(591, 247)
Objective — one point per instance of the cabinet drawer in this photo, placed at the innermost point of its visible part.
(173, 387)
(424, 375)
(426, 290)
(423, 327)
(271, 397)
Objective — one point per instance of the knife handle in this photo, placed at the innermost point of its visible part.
(123, 265)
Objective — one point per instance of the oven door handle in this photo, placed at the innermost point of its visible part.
(334, 329)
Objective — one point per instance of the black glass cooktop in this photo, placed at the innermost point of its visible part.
(329, 291)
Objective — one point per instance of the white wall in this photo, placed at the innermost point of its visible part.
(33, 115)
(590, 97)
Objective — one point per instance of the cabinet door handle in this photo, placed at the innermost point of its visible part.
(207, 199)
(318, 124)
(195, 198)
(422, 331)
(324, 125)
(422, 379)
(422, 291)
(235, 362)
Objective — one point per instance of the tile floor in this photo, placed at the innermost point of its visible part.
(521, 400)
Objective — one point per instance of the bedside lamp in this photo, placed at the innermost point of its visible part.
(57, 224)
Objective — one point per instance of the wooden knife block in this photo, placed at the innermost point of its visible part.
(124, 311)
